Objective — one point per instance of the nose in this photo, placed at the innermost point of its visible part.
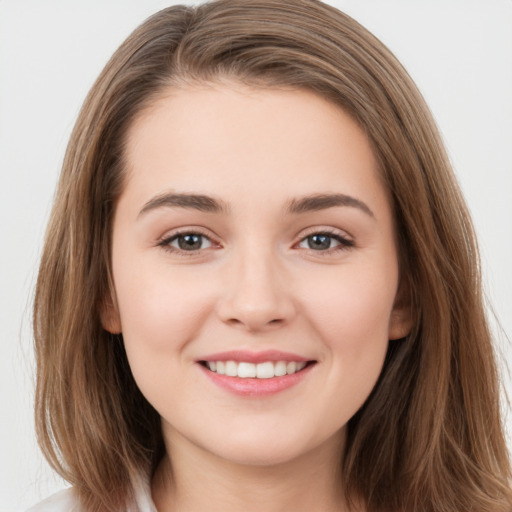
(255, 295)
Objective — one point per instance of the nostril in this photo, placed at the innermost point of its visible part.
(255, 325)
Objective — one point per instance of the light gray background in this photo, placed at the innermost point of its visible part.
(458, 51)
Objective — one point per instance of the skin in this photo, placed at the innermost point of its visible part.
(256, 283)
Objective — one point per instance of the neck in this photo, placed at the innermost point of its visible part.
(196, 480)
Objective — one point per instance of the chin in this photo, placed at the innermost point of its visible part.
(257, 457)
(274, 448)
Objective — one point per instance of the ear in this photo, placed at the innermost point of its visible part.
(109, 316)
(401, 319)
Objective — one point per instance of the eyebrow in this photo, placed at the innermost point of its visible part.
(323, 201)
(199, 202)
(210, 204)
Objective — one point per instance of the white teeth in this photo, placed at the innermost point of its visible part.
(291, 367)
(231, 368)
(280, 369)
(246, 370)
(265, 370)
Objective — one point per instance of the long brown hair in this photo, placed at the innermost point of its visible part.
(429, 438)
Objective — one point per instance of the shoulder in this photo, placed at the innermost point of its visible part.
(66, 501)
(63, 501)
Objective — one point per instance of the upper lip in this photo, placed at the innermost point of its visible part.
(254, 357)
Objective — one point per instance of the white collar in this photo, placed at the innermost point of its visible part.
(66, 500)
(143, 499)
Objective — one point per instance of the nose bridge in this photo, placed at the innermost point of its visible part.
(256, 295)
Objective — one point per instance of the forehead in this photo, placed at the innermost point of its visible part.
(239, 141)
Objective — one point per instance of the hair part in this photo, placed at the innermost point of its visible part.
(429, 437)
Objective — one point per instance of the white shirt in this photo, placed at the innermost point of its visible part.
(66, 501)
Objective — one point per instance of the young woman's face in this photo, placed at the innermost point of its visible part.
(253, 237)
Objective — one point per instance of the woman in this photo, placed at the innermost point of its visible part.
(260, 283)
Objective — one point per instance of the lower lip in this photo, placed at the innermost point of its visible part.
(256, 387)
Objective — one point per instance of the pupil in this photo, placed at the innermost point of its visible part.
(319, 242)
(189, 242)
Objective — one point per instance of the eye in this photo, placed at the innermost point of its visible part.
(325, 241)
(186, 242)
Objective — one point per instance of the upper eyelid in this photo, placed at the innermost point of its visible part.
(186, 231)
(303, 233)
(331, 231)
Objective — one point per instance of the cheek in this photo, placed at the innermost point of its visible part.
(352, 321)
(158, 309)
(160, 315)
(358, 301)
(351, 315)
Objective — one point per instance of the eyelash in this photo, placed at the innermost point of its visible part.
(344, 243)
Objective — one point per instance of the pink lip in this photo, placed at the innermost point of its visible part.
(254, 357)
(256, 387)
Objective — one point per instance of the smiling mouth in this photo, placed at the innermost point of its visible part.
(264, 370)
